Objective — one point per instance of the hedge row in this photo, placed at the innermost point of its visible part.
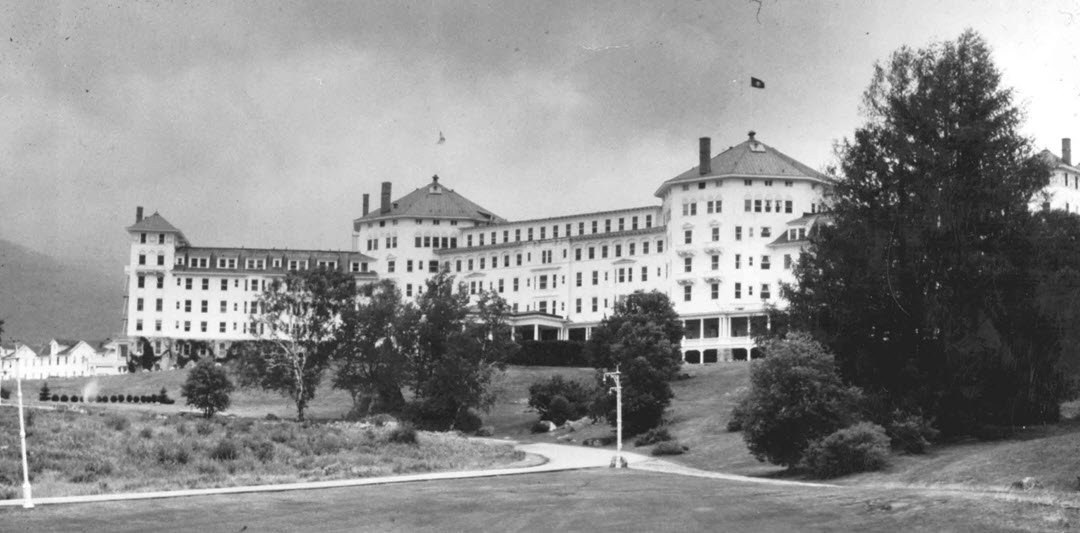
(113, 398)
(550, 353)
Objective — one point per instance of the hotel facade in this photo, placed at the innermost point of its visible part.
(722, 239)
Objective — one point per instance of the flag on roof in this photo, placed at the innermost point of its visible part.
(756, 83)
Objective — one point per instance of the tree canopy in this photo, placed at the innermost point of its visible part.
(926, 282)
(296, 322)
(641, 338)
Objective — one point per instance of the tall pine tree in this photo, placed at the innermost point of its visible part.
(925, 284)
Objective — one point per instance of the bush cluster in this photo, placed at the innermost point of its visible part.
(161, 397)
(550, 353)
(559, 399)
(910, 432)
(669, 447)
(653, 436)
(403, 434)
(863, 447)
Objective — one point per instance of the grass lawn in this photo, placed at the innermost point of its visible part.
(90, 450)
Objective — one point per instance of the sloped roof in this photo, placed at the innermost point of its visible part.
(1055, 161)
(156, 223)
(751, 158)
(435, 200)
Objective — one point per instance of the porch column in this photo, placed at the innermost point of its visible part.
(536, 332)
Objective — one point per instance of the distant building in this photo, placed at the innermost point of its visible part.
(1063, 191)
(63, 358)
(723, 237)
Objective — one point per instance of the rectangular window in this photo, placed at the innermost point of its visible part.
(408, 290)
(543, 232)
(142, 238)
(738, 291)
(659, 247)
(738, 261)
(648, 221)
(202, 327)
(633, 223)
(766, 231)
(618, 250)
(715, 262)
(603, 252)
(140, 281)
(139, 304)
(187, 325)
(738, 233)
(644, 273)
(765, 294)
(607, 225)
(595, 277)
(595, 301)
(595, 225)
(530, 233)
(157, 325)
(765, 262)
(138, 323)
(693, 208)
(688, 236)
(159, 305)
(577, 279)
(390, 266)
(714, 291)
(433, 266)
(645, 247)
(631, 250)
(747, 203)
(187, 306)
(515, 284)
(688, 264)
(687, 291)
(142, 259)
(408, 265)
(205, 306)
(161, 282)
(787, 261)
(757, 206)
(543, 282)
(787, 206)
(221, 327)
(161, 260)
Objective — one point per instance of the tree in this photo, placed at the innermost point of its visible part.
(458, 352)
(923, 285)
(376, 340)
(44, 393)
(642, 339)
(207, 388)
(296, 325)
(796, 397)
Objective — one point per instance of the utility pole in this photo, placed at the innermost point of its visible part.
(618, 461)
(28, 502)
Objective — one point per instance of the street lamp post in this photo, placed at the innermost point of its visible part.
(618, 461)
(28, 502)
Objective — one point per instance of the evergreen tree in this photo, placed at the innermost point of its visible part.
(924, 283)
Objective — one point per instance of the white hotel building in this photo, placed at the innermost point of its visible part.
(719, 243)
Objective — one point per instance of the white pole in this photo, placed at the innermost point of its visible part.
(618, 460)
(28, 502)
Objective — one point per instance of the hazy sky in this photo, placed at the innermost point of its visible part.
(262, 124)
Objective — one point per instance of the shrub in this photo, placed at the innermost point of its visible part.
(653, 436)
(669, 447)
(63, 397)
(112, 398)
(795, 398)
(4, 393)
(225, 450)
(559, 399)
(550, 353)
(204, 427)
(468, 421)
(863, 447)
(56, 398)
(910, 432)
(403, 434)
(737, 419)
(43, 393)
(146, 432)
(129, 398)
(207, 388)
(485, 431)
(92, 470)
(172, 453)
(540, 427)
(263, 450)
(117, 422)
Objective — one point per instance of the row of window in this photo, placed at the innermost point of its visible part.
(766, 262)
(160, 238)
(203, 326)
(593, 226)
(231, 263)
(617, 249)
(746, 182)
(714, 291)
(159, 305)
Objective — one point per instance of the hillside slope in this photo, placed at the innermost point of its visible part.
(43, 297)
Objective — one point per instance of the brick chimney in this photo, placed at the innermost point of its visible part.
(138, 214)
(384, 204)
(704, 156)
(365, 204)
(1066, 150)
